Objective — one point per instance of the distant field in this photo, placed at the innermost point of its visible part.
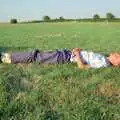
(59, 92)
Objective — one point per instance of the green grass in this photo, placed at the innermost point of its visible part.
(59, 92)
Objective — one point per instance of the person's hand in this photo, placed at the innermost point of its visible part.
(76, 54)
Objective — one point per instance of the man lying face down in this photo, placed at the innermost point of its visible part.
(83, 58)
(89, 59)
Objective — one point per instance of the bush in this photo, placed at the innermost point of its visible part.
(13, 21)
(110, 16)
(46, 18)
(96, 17)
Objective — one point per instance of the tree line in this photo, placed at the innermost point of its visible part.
(96, 18)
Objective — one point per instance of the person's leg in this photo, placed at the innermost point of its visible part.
(53, 57)
(41, 57)
(24, 57)
(47, 57)
(19, 57)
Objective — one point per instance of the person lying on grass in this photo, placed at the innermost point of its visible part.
(83, 58)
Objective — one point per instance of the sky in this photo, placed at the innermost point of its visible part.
(25, 10)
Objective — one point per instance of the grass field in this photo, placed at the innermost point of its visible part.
(59, 92)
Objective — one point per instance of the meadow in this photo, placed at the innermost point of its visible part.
(59, 92)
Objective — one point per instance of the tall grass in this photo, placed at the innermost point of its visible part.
(53, 92)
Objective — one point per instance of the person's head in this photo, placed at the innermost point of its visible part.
(114, 59)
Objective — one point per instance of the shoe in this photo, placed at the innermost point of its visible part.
(5, 58)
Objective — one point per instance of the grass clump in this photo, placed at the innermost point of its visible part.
(59, 92)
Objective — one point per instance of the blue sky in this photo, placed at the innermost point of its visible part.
(36, 9)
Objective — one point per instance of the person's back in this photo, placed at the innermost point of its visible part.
(95, 60)
(92, 59)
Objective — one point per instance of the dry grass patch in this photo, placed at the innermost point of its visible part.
(108, 91)
(20, 95)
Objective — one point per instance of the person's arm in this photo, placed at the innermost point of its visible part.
(78, 60)
(80, 64)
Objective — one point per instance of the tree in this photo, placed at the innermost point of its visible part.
(13, 21)
(61, 18)
(96, 17)
(110, 16)
(46, 18)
